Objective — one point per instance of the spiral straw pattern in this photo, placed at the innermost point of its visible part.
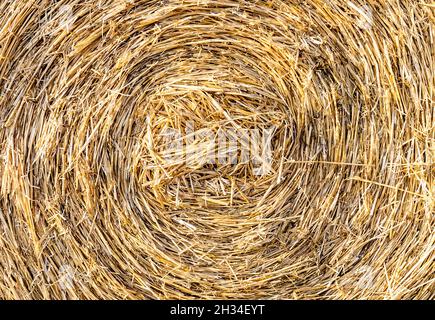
(91, 208)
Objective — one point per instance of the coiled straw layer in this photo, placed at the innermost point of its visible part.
(91, 208)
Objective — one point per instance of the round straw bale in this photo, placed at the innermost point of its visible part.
(217, 149)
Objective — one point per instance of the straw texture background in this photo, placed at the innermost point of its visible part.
(89, 208)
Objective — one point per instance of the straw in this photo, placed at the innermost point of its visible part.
(96, 202)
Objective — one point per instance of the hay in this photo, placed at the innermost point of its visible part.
(90, 207)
